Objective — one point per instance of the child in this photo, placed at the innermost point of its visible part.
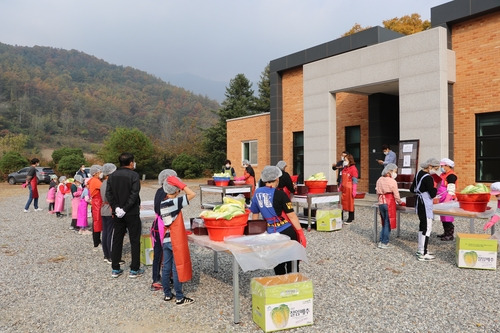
(423, 186)
(76, 192)
(81, 221)
(94, 185)
(158, 230)
(176, 257)
(388, 195)
(62, 189)
(51, 194)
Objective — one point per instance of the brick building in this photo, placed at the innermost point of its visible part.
(439, 87)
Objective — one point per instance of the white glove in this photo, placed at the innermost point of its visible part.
(119, 212)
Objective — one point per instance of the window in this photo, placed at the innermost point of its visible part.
(298, 155)
(250, 151)
(488, 147)
(353, 144)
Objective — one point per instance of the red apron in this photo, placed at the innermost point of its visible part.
(391, 209)
(34, 187)
(180, 248)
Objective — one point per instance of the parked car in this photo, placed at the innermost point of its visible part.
(42, 173)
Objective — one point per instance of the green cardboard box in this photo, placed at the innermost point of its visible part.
(282, 301)
(147, 252)
(476, 251)
(328, 220)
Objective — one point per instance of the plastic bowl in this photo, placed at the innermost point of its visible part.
(221, 182)
(476, 202)
(220, 228)
(316, 186)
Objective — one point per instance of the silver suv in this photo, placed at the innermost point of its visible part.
(42, 173)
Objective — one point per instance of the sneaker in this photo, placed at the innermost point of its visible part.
(122, 262)
(137, 273)
(38, 209)
(97, 248)
(158, 286)
(347, 222)
(107, 261)
(384, 246)
(168, 298)
(116, 273)
(26, 211)
(418, 253)
(426, 257)
(86, 232)
(184, 301)
(71, 228)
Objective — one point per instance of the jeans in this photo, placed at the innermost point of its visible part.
(386, 227)
(169, 267)
(30, 198)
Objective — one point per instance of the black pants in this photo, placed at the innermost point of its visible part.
(286, 267)
(107, 234)
(132, 225)
(157, 258)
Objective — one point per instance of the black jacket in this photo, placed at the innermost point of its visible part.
(123, 190)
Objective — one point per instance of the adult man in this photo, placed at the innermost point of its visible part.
(390, 156)
(32, 184)
(122, 193)
(82, 172)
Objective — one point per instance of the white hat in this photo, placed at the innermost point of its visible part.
(495, 188)
(270, 173)
(448, 162)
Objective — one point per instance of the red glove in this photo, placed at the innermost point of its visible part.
(24, 185)
(402, 204)
(301, 238)
(175, 181)
(494, 219)
(354, 190)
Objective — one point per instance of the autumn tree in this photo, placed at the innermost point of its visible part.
(406, 25)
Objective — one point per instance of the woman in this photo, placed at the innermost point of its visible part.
(349, 186)
(228, 169)
(388, 195)
(285, 182)
(423, 186)
(276, 208)
(249, 175)
(446, 192)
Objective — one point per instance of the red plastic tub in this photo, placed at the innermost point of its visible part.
(316, 186)
(220, 228)
(476, 202)
(221, 182)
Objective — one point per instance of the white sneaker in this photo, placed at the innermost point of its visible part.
(384, 246)
(38, 209)
(426, 257)
(418, 253)
(26, 211)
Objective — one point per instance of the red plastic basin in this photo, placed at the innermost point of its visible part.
(316, 186)
(476, 202)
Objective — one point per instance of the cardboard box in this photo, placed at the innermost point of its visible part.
(328, 220)
(282, 301)
(476, 251)
(147, 252)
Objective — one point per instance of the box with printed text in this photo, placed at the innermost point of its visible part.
(282, 301)
(328, 220)
(476, 251)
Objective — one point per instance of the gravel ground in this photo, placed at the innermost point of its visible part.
(52, 280)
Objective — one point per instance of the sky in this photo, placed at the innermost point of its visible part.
(211, 40)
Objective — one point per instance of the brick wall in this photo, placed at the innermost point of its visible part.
(245, 129)
(293, 112)
(477, 89)
(352, 110)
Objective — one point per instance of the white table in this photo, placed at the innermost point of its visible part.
(446, 209)
(314, 199)
(223, 190)
(291, 249)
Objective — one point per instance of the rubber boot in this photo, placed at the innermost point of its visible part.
(449, 232)
(444, 230)
(350, 218)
